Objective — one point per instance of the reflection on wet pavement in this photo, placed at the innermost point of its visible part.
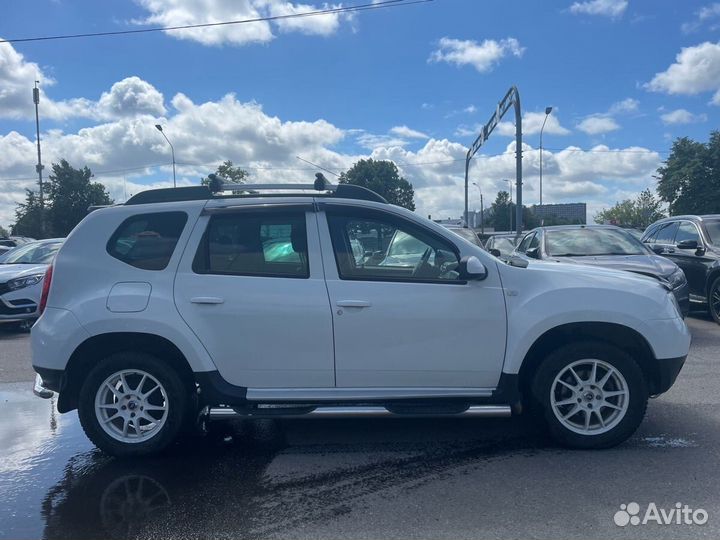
(244, 479)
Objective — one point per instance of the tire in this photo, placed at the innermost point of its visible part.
(714, 300)
(616, 407)
(156, 405)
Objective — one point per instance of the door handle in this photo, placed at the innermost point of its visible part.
(353, 303)
(207, 300)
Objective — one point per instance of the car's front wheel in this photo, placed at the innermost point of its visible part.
(593, 395)
(714, 300)
(132, 404)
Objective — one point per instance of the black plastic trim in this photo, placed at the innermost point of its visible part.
(53, 379)
(667, 371)
(214, 390)
(190, 193)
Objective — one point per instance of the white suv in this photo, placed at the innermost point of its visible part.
(183, 304)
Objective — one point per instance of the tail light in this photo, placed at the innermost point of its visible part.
(45, 289)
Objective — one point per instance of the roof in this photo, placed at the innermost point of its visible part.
(689, 217)
(573, 227)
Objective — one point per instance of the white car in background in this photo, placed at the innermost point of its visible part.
(21, 276)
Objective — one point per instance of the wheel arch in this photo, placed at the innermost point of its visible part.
(100, 346)
(623, 337)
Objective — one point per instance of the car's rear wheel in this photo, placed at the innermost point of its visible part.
(714, 300)
(133, 404)
(593, 395)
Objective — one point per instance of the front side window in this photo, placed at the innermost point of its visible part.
(522, 248)
(147, 241)
(687, 231)
(393, 250)
(270, 244)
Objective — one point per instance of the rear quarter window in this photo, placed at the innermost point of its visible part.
(147, 241)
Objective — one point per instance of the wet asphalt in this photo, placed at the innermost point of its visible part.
(383, 478)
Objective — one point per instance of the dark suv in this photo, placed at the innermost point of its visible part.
(693, 243)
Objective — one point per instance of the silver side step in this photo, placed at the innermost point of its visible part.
(487, 411)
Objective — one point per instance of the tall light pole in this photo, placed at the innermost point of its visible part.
(160, 129)
(482, 216)
(510, 225)
(39, 167)
(548, 110)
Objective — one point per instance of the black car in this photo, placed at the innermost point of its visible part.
(693, 243)
(607, 246)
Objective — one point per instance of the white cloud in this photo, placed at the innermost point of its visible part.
(607, 8)
(627, 105)
(404, 131)
(131, 97)
(682, 116)
(482, 56)
(470, 109)
(704, 15)
(597, 125)
(187, 12)
(696, 70)
(531, 124)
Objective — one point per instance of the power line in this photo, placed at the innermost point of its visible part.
(327, 11)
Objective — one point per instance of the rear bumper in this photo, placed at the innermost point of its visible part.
(667, 371)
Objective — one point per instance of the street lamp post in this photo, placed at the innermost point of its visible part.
(548, 110)
(510, 224)
(172, 150)
(482, 216)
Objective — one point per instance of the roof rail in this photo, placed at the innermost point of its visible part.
(217, 186)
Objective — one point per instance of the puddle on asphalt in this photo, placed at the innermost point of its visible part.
(244, 479)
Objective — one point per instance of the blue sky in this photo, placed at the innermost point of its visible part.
(411, 83)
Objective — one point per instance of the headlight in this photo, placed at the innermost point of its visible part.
(26, 281)
(677, 278)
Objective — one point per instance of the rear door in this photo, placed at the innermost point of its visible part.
(251, 287)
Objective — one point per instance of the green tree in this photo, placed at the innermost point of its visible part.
(3, 232)
(638, 213)
(383, 178)
(689, 181)
(27, 217)
(70, 193)
(230, 172)
(502, 212)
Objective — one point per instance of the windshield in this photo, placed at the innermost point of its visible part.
(35, 253)
(467, 234)
(592, 242)
(713, 229)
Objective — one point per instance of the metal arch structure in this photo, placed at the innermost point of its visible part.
(512, 98)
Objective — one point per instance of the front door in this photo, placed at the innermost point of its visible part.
(254, 294)
(402, 315)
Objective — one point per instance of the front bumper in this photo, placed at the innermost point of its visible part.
(667, 371)
(682, 295)
(17, 309)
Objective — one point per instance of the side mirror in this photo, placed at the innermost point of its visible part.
(657, 249)
(688, 244)
(495, 252)
(533, 253)
(472, 268)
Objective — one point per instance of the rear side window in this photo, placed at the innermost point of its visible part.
(270, 244)
(147, 241)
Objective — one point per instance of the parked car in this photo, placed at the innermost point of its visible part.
(693, 243)
(503, 243)
(607, 246)
(21, 274)
(165, 309)
(465, 232)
